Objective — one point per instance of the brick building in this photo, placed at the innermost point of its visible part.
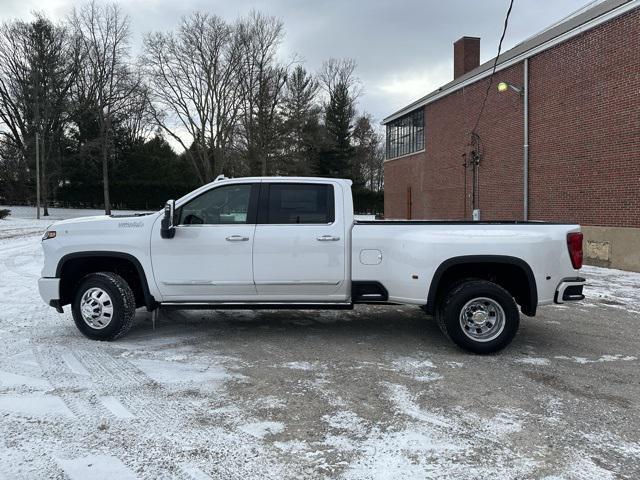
(574, 89)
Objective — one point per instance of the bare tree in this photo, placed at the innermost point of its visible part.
(263, 80)
(138, 119)
(336, 72)
(38, 66)
(193, 79)
(105, 82)
(16, 86)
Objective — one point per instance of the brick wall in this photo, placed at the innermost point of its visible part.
(584, 115)
(585, 127)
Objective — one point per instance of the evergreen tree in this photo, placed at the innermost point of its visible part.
(367, 166)
(301, 123)
(337, 158)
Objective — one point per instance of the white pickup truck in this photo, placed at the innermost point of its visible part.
(278, 242)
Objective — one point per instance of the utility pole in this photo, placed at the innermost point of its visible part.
(37, 175)
(37, 125)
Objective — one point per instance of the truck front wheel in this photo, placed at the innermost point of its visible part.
(479, 316)
(104, 306)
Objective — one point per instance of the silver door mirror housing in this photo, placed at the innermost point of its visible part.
(167, 225)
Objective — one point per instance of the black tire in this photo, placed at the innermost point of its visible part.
(122, 301)
(452, 305)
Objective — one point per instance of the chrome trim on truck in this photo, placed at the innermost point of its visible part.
(565, 292)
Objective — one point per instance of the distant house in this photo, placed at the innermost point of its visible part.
(577, 85)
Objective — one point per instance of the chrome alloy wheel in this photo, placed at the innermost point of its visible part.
(482, 319)
(96, 308)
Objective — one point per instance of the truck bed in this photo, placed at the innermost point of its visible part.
(407, 253)
(456, 222)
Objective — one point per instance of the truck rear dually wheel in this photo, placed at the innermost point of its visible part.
(479, 316)
(104, 306)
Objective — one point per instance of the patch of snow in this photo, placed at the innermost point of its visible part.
(613, 358)
(404, 404)
(271, 402)
(34, 405)
(227, 411)
(174, 373)
(291, 446)
(193, 472)
(553, 408)
(74, 364)
(347, 421)
(454, 364)
(610, 441)
(299, 366)
(96, 467)
(584, 468)
(418, 368)
(26, 358)
(55, 214)
(412, 453)
(603, 358)
(428, 377)
(262, 429)
(116, 407)
(539, 361)
(8, 379)
(613, 288)
(177, 358)
(504, 423)
(412, 363)
(434, 445)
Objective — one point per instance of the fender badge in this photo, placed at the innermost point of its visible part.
(130, 225)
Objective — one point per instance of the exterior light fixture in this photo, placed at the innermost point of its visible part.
(504, 86)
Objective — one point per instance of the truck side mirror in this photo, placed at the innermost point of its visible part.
(167, 227)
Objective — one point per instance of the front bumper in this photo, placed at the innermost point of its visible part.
(50, 291)
(569, 290)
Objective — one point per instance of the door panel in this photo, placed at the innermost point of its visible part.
(210, 256)
(302, 261)
(200, 262)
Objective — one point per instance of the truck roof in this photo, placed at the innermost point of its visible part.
(275, 178)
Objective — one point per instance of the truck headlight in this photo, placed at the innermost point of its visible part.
(49, 234)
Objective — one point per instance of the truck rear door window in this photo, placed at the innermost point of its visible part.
(299, 203)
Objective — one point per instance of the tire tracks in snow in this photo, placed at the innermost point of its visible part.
(18, 268)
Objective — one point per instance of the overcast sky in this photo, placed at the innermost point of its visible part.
(404, 48)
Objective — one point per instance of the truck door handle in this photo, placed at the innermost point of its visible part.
(237, 238)
(328, 238)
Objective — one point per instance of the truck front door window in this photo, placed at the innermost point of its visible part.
(222, 205)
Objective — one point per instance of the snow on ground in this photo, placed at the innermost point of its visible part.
(373, 393)
(615, 288)
(25, 212)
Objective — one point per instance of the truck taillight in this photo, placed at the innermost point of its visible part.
(574, 242)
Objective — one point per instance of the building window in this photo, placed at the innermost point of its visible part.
(405, 135)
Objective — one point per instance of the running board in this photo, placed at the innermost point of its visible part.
(255, 306)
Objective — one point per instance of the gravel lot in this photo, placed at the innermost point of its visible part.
(372, 393)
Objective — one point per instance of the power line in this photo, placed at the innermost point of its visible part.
(476, 141)
(493, 71)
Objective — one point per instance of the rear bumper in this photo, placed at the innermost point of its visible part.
(49, 289)
(569, 290)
